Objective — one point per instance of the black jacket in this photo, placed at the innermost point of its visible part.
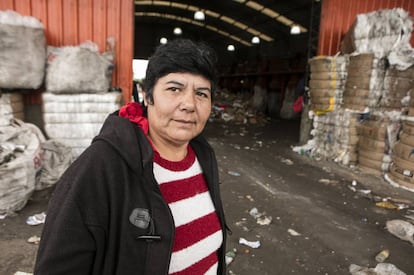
(107, 215)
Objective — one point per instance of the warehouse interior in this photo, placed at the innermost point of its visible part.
(258, 82)
(263, 42)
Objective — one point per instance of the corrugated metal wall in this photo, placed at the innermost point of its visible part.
(337, 17)
(72, 22)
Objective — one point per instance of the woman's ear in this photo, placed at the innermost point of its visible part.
(144, 96)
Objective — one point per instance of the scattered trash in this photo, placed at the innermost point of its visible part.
(230, 255)
(354, 183)
(36, 219)
(236, 174)
(250, 198)
(22, 273)
(293, 232)
(252, 244)
(386, 204)
(34, 239)
(401, 229)
(3, 216)
(287, 161)
(328, 181)
(382, 256)
(260, 217)
(380, 269)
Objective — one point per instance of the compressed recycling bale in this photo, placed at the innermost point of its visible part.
(75, 119)
(379, 31)
(79, 69)
(23, 51)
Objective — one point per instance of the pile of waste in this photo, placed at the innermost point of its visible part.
(236, 108)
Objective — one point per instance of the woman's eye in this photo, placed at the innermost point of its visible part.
(173, 89)
(203, 94)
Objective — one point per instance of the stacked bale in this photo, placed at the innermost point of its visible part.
(346, 137)
(323, 133)
(378, 32)
(364, 84)
(377, 135)
(77, 98)
(327, 80)
(402, 167)
(75, 119)
(397, 86)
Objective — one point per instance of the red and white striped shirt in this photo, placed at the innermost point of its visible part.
(198, 233)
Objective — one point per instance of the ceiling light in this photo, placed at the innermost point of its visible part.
(163, 40)
(199, 15)
(177, 31)
(255, 40)
(231, 48)
(295, 29)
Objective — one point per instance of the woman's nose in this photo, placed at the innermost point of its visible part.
(188, 101)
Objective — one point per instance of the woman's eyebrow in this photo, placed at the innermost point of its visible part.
(203, 89)
(174, 82)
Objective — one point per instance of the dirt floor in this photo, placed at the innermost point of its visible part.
(314, 220)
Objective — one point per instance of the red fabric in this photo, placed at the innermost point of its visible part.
(133, 112)
(297, 106)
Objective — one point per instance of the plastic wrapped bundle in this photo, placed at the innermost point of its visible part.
(327, 82)
(11, 106)
(323, 133)
(402, 168)
(80, 69)
(397, 87)
(378, 32)
(346, 136)
(23, 51)
(377, 136)
(75, 119)
(364, 85)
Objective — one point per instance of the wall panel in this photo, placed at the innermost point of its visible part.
(337, 17)
(71, 22)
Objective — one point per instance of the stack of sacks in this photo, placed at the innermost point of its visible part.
(364, 85)
(346, 137)
(11, 106)
(402, 167)
(23, 51)
(323, 133)
(377, 135)
(75, 119)
(378, 32)
(327, 80)
(20, 163)
(397, 86)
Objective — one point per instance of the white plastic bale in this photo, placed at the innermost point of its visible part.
(72, 130)
(86, 107)
(99, 97)
(75, 118)
(79, 69)
(382, 31)
(23, 51)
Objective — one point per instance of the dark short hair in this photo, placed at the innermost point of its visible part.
(180, 56)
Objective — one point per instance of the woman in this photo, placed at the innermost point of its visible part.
(144, 197)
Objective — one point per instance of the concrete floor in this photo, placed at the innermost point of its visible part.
(318, 224)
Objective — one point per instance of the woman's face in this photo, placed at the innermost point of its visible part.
(181, 107)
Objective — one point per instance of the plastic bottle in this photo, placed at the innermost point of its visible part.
(382, 256)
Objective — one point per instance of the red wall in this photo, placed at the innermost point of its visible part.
(338, 15)
(72, 22)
